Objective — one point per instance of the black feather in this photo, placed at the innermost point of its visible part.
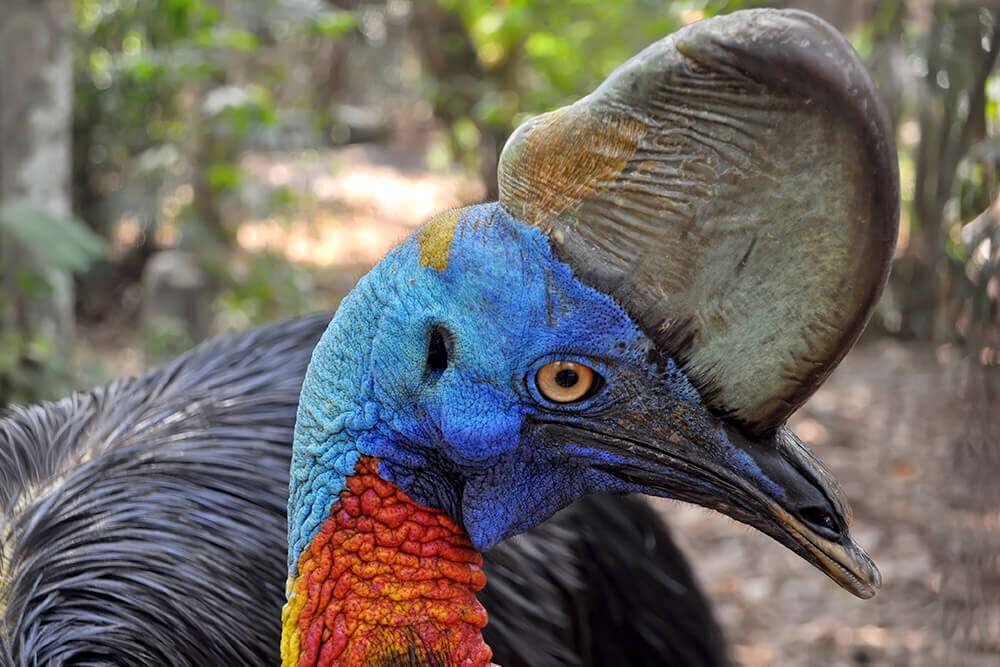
(143, 523)
(601, 583)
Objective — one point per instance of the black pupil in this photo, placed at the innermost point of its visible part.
(567, 378)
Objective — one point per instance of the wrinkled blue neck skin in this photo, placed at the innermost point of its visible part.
(453, 440)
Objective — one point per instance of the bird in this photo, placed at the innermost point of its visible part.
(144, 524)
(676, 262)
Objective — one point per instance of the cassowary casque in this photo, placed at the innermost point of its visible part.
(675, 264)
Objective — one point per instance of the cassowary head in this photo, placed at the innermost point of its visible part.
(675, 264)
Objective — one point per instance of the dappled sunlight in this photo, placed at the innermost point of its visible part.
(347, 209)
(324, 240)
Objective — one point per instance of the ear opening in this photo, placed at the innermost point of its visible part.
(438, 353)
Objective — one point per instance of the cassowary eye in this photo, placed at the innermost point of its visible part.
(566, 381)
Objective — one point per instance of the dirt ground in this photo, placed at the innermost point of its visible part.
(886, 424)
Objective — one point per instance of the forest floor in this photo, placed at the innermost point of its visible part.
(885, 423)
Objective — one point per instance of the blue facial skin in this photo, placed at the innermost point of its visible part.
(477, 439)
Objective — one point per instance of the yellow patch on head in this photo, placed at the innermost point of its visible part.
(435, 240)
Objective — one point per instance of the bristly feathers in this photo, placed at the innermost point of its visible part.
(145, 519)
(602, 583)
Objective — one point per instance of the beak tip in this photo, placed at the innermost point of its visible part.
(875, 582)
(866, 578)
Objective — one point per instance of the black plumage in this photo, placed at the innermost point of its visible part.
(601, 583)
(144, 524)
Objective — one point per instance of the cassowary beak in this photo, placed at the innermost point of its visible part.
(812, 517)
(775, 485)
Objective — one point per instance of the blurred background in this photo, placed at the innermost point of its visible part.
(175, 169)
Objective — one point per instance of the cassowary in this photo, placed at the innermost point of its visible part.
(144, 524)
(675, 264)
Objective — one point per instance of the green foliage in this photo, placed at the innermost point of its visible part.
(164, 337)
(949, 156)
(179, 75)
(532, 56)
(335, 23)
(37, 246)
(30, 368)
(60, 243)
(563, 49)
(224, 176)
(167, 94)
(265, 287)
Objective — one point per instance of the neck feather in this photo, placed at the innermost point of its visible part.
(385, 581)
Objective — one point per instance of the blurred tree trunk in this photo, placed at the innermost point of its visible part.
(448, 53)
(961, 54)
(844, 15)
(970, 587)
(35, 111)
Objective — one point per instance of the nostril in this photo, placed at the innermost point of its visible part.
(820, 520)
